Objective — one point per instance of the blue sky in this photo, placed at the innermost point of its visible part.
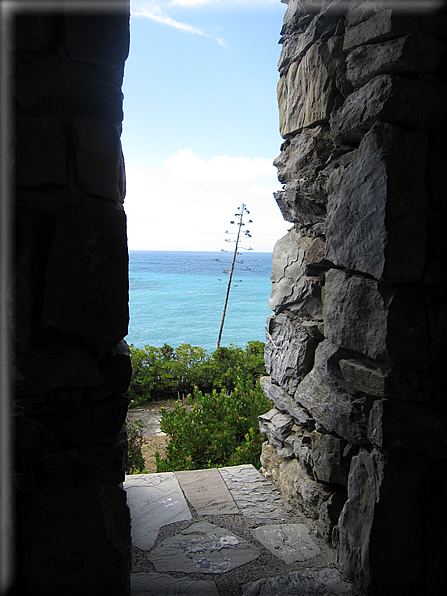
(201, 122)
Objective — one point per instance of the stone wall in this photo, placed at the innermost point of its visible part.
(72, 366)
(355, 348)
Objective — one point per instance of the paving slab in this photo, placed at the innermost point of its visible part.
(154, 500)
(325, 582)
(255, 496)
(160, 584)
(207, 492)
(288, 542)
(202, 548)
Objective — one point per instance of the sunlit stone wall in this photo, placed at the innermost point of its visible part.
(356, 344)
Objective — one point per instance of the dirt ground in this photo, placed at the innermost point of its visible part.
(152, 440)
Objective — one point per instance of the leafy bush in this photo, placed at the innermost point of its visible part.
(170, 373)
(135, 460)
(214, 429)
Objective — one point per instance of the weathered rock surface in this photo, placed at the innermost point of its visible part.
(356, 519)
(288, 368)
(324, 394)
(405, 427)
(71, 301)
(276, 426)
(294, 482)
(411, 104)
(369, 213)
(412, 53)
(283, 401)
(304, 154)
(291, 286)
(378, 320)
(376, 204)
(306, 94)
(328, 463)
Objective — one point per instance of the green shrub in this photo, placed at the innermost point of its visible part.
(214, 429)
(171, 373)
(135, 460)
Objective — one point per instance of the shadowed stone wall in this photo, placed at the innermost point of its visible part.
(356, 345)
(72, 366)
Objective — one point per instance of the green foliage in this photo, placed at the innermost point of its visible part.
(170, 373)
(215, 429)
(135, 459)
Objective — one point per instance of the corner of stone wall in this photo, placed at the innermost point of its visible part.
(356, 343)
(72, 366)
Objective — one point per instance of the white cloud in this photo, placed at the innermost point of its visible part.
(187, 166)
(169, 209)
(154, 12)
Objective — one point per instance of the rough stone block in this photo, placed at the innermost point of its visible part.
(306, 94)
(303, 201)
(90, 465)
(412, 53)
(397, 549)
(329, 514)
(99, 158)
(41, 150)
(356, 519)
(58, 367)
(304, 154)
(409, 103)
(407, 427)
(276, 425)
(38, 33)
(100, 40)
(283, 401)
(296, 43)
(293, 481)
(383, 25)
(379, 380)
(69, 88)
(365, 376)
(376, 205)
(324, 394)
(327, 457)
(89, 250)
(74, 541)
(386, 323)
(291, 287)
(288, 366)
(437, 157)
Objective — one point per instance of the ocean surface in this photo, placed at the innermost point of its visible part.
(176, 297)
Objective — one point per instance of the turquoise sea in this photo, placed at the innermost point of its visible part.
(176, 297)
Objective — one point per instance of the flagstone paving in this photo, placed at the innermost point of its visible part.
(207, 492)
(225, 532)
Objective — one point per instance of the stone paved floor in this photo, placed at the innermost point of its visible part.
(224, 532)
